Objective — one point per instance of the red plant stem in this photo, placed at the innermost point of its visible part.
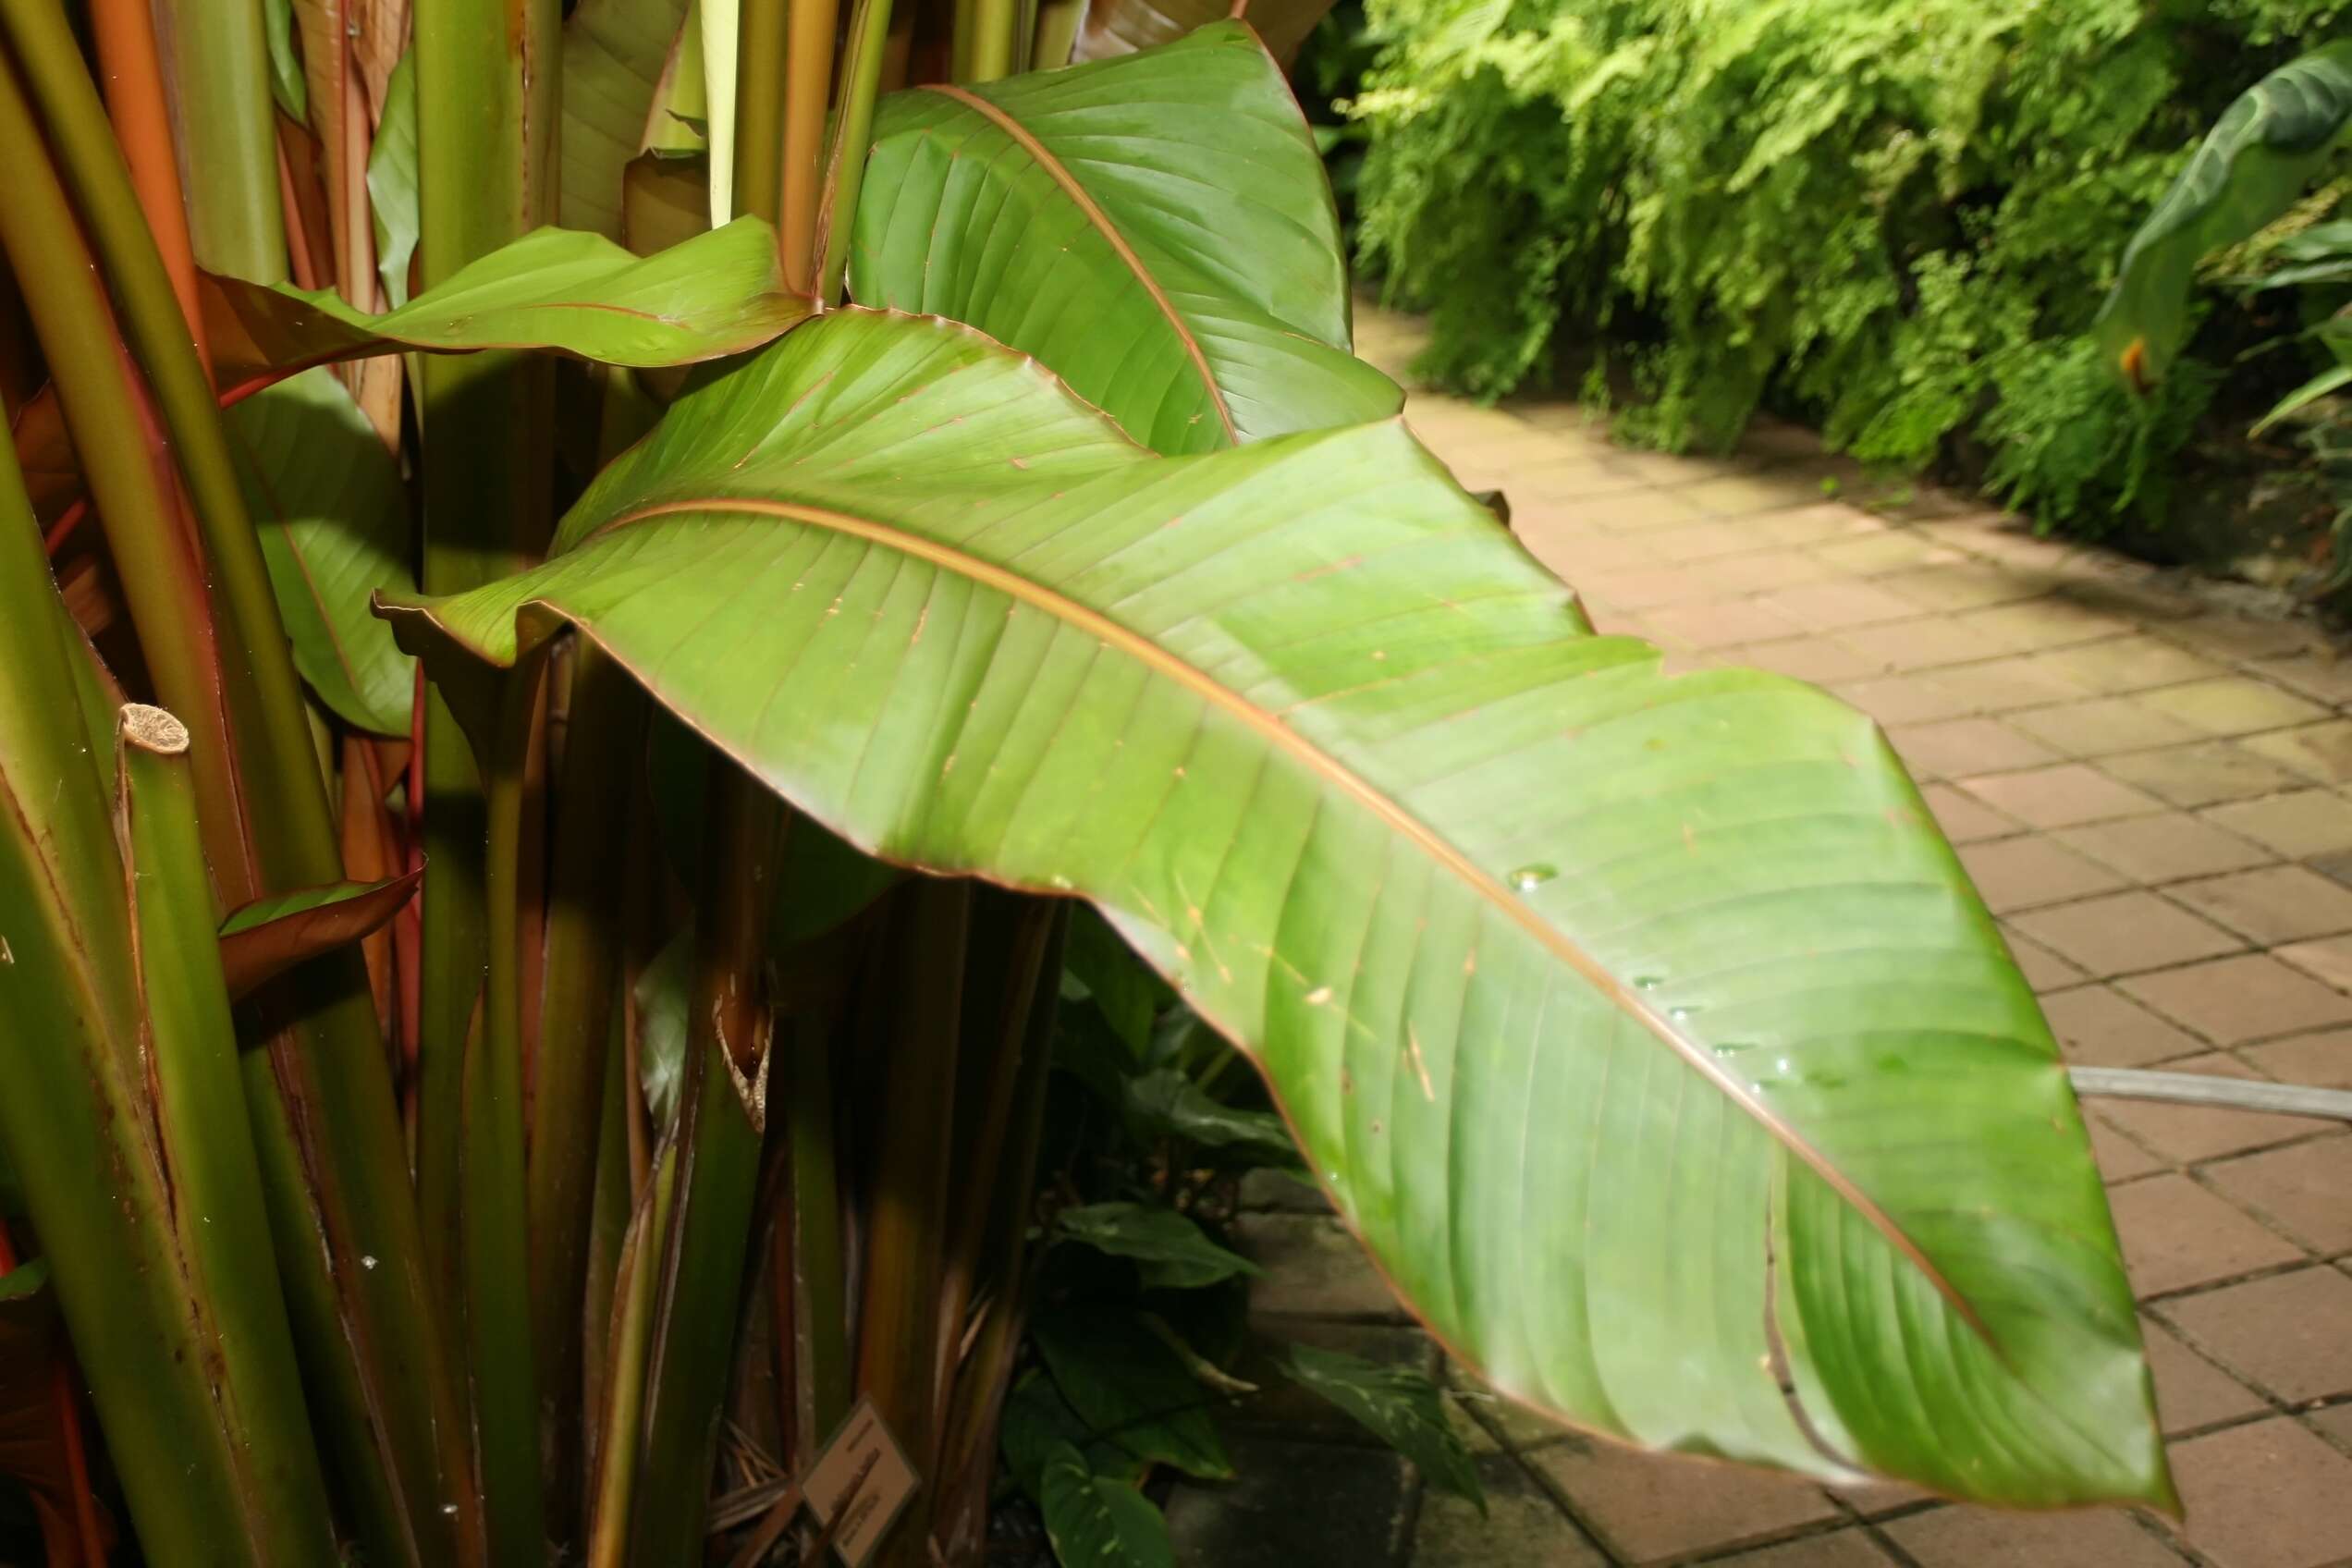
(130, 70)
(93, 1542)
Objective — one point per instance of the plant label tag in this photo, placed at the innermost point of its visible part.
(862, 1469)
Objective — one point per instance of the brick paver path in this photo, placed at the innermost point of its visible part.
(2150, 790)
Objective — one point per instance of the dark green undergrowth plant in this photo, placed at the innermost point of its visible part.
(1893, 220)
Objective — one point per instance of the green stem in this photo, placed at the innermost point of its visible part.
(759, 107)
(995, 50)
(854, 128)
(206, 1151)
(906, 1225)
(579, 1005)
(721, 1122)
(228, 137)
(496, 1218)
(808, 70)
(71, 1119)
(818, 1283)
(293, 835)
(621, 1422)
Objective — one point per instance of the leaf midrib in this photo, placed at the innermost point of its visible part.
(1284, 737)
(1100, 221)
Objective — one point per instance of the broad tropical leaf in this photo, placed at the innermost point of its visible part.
(1133, 1389)
(268, 936)
(1097, 1522)
(1173, 1252)
(1121, 26)
(613, 55)
(333, 515)
(1398, 1403)
(2260, 155)
(1644, 1027)
(1088, 216)
(1169, 1102)
(392, 181)
(557, 289)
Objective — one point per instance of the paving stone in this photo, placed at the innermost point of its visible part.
(1721, 625)
(2289, 1333)
(2129, 664)
(1923, 644)
(2191, 1392)
(2064, 796)
(2321, 675)
(2329, 958)
(2278, 904)
(1815, 524)
(2232, 704)
(2266, 1495)
(1736, 495)
(2178, 1235)
(2101, 725)
(2119, 1158)
(1963, 585)
(1900, 699)
(1314, 1269)
(1838, 1549)
(2241, 637)
(2043, 970)
(2304, 1189)
(1523, 1526)
(1816, 658)
(2189, 1134)
(2008, 684)
(1963, 818)
(1280, 1189)
(1890, 550)
(2017, 873)
(2304, 823)
(2323, 1060)
(2118, 933)
(1981, 1537)
(2320, 752)
(1294, 1503)
(2335, 1422)
(2033, 624)
(1281, 1403)
(1831, 606)
(1649, 1508)
(2099, 1027)
(1961, 747)
(1639, 510)
(2234, 1000)
(2203, 775)
(2165, 848)
(1501, 1422)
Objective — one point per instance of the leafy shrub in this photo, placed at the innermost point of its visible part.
(1895, 219)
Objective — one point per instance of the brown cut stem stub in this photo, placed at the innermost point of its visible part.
(152, 728)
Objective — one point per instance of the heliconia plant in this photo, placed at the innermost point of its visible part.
(600, 613)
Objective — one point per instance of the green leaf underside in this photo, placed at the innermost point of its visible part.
(1097, 1523)
(1168, 1102)
(1629, 1018)
(327, 501)
(392, 181)
(1087, 217)
(1396, 1403)
(1174, 1253)
(555, 289)
(613, 55)
(2253, 164)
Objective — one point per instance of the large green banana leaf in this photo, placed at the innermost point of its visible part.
(554, 288)
(2260, 155)
(1089, 216)
(613, 55)
(1644, 1027)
